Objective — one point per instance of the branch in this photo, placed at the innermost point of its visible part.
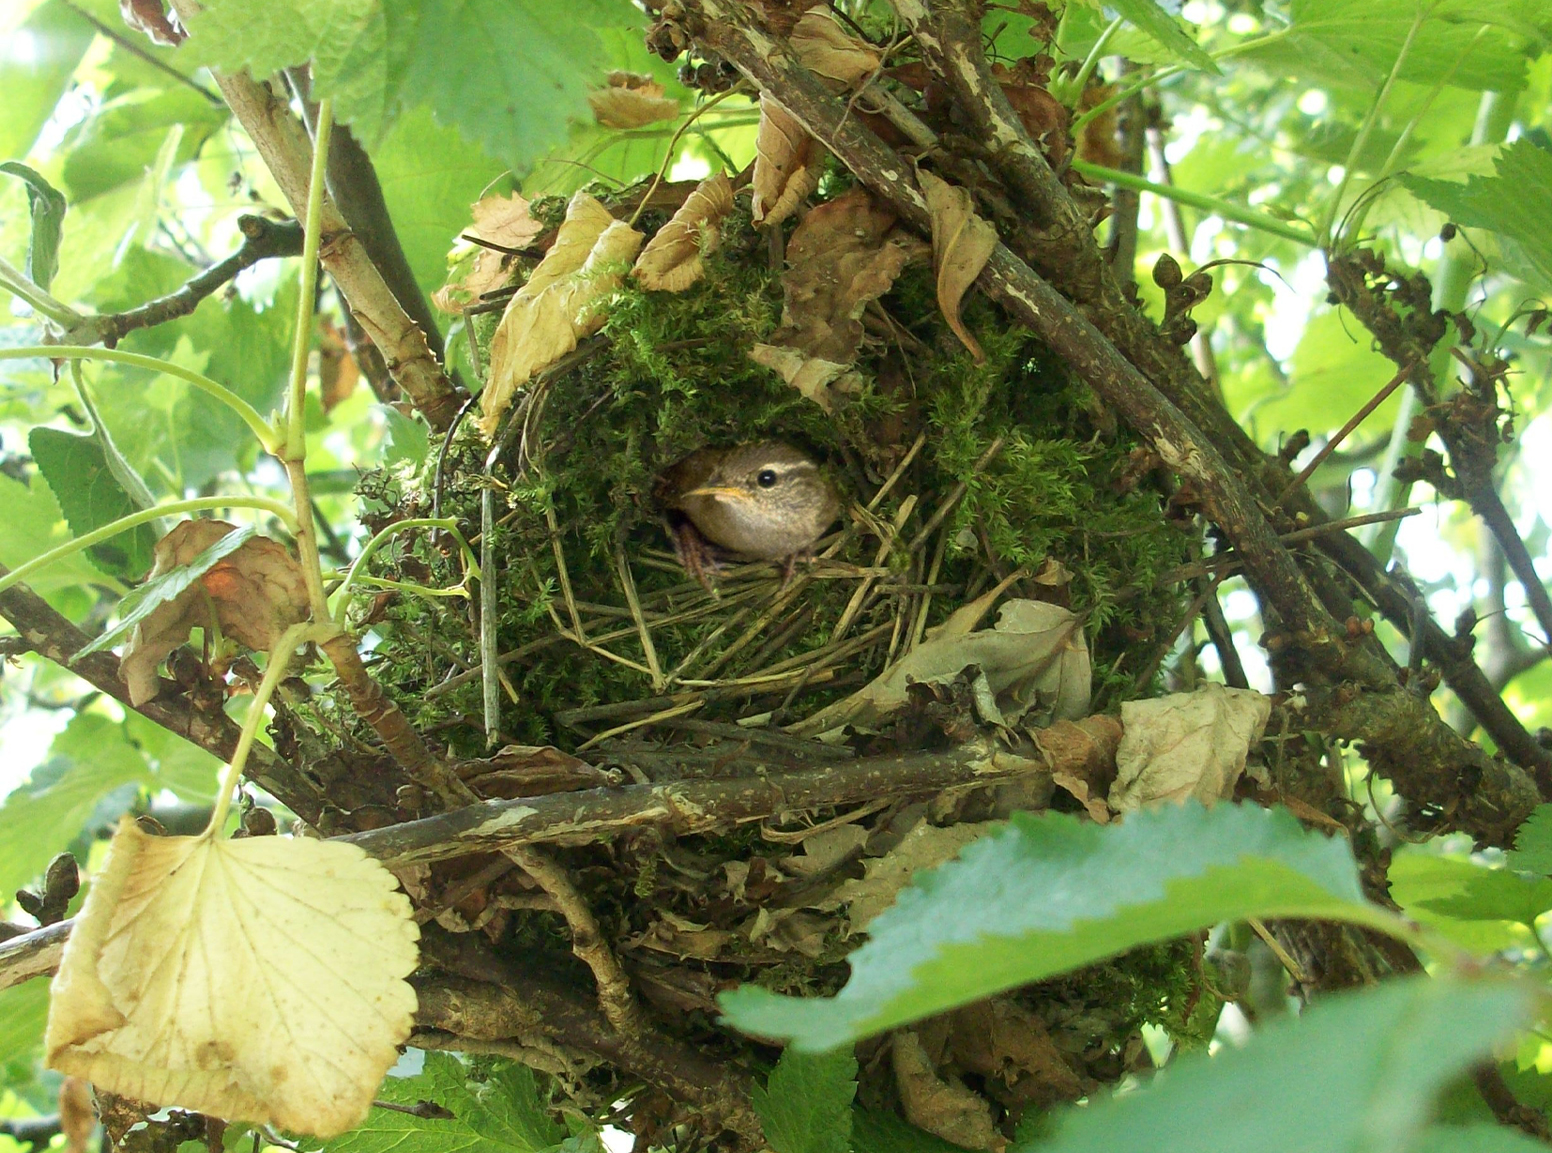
(50, 635)
(34, 954)
(264, 239)
(697, 806)
(283, 143)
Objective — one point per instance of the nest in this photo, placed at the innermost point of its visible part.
(961, 478)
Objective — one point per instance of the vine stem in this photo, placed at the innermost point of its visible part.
(145, 516)
(352, 575)
(293, 453)
(279, 660)
(16, 282)
(1224, 208)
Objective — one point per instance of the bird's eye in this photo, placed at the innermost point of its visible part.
(765, 478)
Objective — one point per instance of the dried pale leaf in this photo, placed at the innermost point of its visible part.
(822, 381)
(1035, 656)
(829, 51)
(531, 771)
(1186, 745)
(790, 931)
(258, 980)
(826, 849)
(923, 847)
(560, 304)
(786, 165)
(1000, 1038)
(501, 220)
(257, 592)
(962, 243)
(942, 1105)
(675, 257)
(77, 1116)
(1076, 787)
(631, 100)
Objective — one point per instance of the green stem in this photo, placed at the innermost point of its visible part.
(352, 575)
(294, 454)
(279, 660)
(1223, 208)
(226, 396)
(16, 282)
(123, 472)
(1071, 92)
(145, 516)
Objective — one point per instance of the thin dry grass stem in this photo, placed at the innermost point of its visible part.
(682, 669)
(642, 722)
(593, 646)
(904, 600)
(1294, 969)
(564, 575)
(797, 836)
(648, 649)
(919, 629)
(894, 478)
(954, 496)
(887, 544)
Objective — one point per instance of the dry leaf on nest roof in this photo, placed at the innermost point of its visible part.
(674, 259)
(631, 100)
(962, 243)
(786, 165)
(829, 51)
(1186, 745)
(500, 220)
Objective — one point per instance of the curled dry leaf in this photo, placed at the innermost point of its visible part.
(846, 253)
(560, 304)
(939, 1102)
(830, 52)
(1186, 745)
(500, 220)
(631, 100)
(962, 243)
(1035, 656)
(674, 259)
(786, 165)
(257, 980)
(923, 847)
(257, 592)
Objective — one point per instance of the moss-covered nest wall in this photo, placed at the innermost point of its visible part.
(1009, 467)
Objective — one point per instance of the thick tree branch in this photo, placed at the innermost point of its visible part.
(263, 239)
(283, 143)
(52, 636)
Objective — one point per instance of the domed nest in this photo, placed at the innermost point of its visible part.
(994, 480)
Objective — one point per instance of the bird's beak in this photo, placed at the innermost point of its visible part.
(718, 490)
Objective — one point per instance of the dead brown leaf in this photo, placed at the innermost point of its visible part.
(77, 1116)
(675, 258)
(631, 100)
(942, 1105)
(560, 304)
(829, 51)
(923, 847)
(846, 253)
(786, 165)
(962, 243)
(256, 593)
(530, 771)
(499, 220)
(1186, 745)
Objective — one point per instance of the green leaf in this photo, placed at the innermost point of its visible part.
(121, 142)
(88, 760)
(1150, 17)
(1480, 908)
(1510, 203)
(172, 584)
(77, 470)
(1532, 851)
(405, 439)
(23, 1013)
(805, 1107)
(1356, 1074)
(46, 207)
(879, 1132)
(42, 54)
(1049, 894)
(34, 524)
(506, 1114)
(184, 768)
(1484, 1138)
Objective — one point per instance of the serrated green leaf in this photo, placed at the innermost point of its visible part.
(180, 766)
(805, 1107)
(873, 1131)
(1049, 894)
(120, 142)
(172, 584)
(77, 470)
(46, 207)
(1149, 16)
(1356, 1074)
(33, 523)
(1510, 203)
(1468, 891)
(1432, 890)
(266, 36)
(1532, 851)
(23, 1013)
(506, 1114)
(87, 760)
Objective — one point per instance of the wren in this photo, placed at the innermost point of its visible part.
(763, 501)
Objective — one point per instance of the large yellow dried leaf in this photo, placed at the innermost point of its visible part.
(829, 51)
(786, 165)
(675, 258)
(258, 980)
(501, 220)
(560, 304)
(962, 243)
(630, 101)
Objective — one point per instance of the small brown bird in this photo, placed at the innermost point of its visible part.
(764, 501)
